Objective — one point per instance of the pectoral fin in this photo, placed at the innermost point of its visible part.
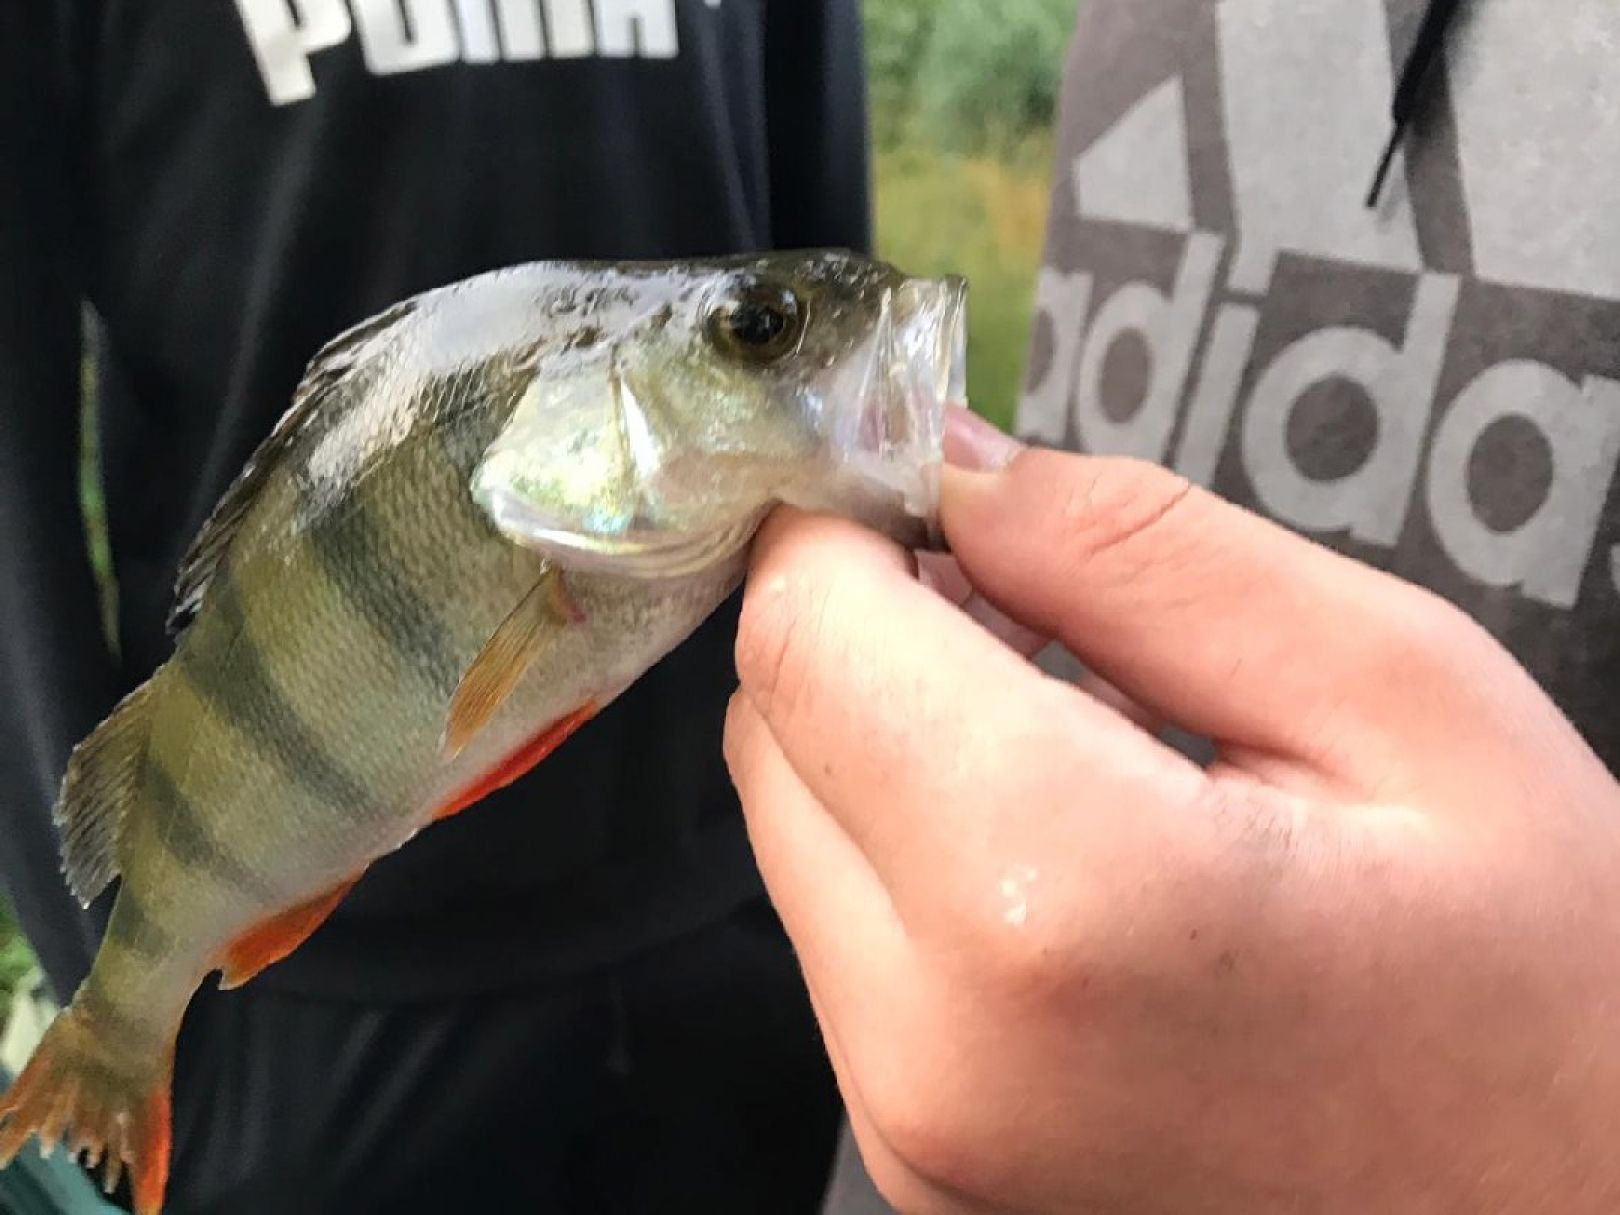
(506, 657)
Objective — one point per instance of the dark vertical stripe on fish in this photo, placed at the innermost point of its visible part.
(112, 1023)
(353, 549)
(468, 431)
(355, 558)
(242, 691)
(133, 929)
(188, 837)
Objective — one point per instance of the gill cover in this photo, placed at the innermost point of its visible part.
(575, 475)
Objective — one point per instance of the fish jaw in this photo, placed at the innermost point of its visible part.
(883, 415)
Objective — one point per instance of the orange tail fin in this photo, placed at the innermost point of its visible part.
(116, 1111)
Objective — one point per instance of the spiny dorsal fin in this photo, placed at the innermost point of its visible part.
(506, 656)
(331, 364)
(103, 779)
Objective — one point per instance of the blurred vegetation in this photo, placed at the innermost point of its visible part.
(970, 216)
(963, 96)
(90, 498)
(15, 958)
(968, 76)
(963, 99)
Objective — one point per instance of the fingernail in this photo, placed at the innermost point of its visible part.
(974, 444)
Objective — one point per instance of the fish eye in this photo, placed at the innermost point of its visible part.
(760, 322)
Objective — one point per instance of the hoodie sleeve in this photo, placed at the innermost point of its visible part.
(821, 193)
(54, 662)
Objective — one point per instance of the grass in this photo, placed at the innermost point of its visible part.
(15, 958)
(982, 217)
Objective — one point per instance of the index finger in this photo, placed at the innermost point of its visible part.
(926, 738)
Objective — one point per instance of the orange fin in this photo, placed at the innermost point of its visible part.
(520, 761)
(269, 942)
(117, 1107)
(506, 656)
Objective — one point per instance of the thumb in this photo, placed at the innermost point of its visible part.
(1226, 624)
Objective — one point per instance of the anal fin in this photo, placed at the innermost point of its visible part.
(520, 762)
(269, 942)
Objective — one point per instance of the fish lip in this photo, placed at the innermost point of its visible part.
(955, 393)
(643, 555)
(904, 447)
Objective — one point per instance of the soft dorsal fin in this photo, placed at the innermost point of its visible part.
(328, 369)
(102, 782)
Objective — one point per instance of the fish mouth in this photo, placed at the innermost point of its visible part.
(897, 448)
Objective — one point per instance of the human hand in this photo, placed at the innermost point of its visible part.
(1369, 960)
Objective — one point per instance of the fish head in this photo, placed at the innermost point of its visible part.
(723, 389)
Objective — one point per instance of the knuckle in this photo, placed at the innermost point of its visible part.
(1113, 509)
(920, 1132)
(1433, 629)
(1029, 962)
(943, 1116)
(1018, 942)
(901, 1188)
(1437, 649)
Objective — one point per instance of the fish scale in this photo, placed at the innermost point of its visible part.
(488, 512)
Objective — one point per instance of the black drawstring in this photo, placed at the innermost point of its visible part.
(1409, 93)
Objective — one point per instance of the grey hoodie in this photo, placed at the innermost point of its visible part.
(1431, 383)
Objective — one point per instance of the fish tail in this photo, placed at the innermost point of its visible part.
(116, 1104)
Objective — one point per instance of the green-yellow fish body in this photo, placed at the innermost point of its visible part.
(488, 512)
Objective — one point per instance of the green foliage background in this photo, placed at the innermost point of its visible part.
(972, 76)
(963, 94)
(15, 959)
(963, 98)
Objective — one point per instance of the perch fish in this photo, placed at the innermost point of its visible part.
(488, 511)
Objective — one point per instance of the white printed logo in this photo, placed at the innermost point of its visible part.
(411, 35)
(1304, 115)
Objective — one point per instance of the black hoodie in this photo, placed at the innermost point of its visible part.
(230, 184)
